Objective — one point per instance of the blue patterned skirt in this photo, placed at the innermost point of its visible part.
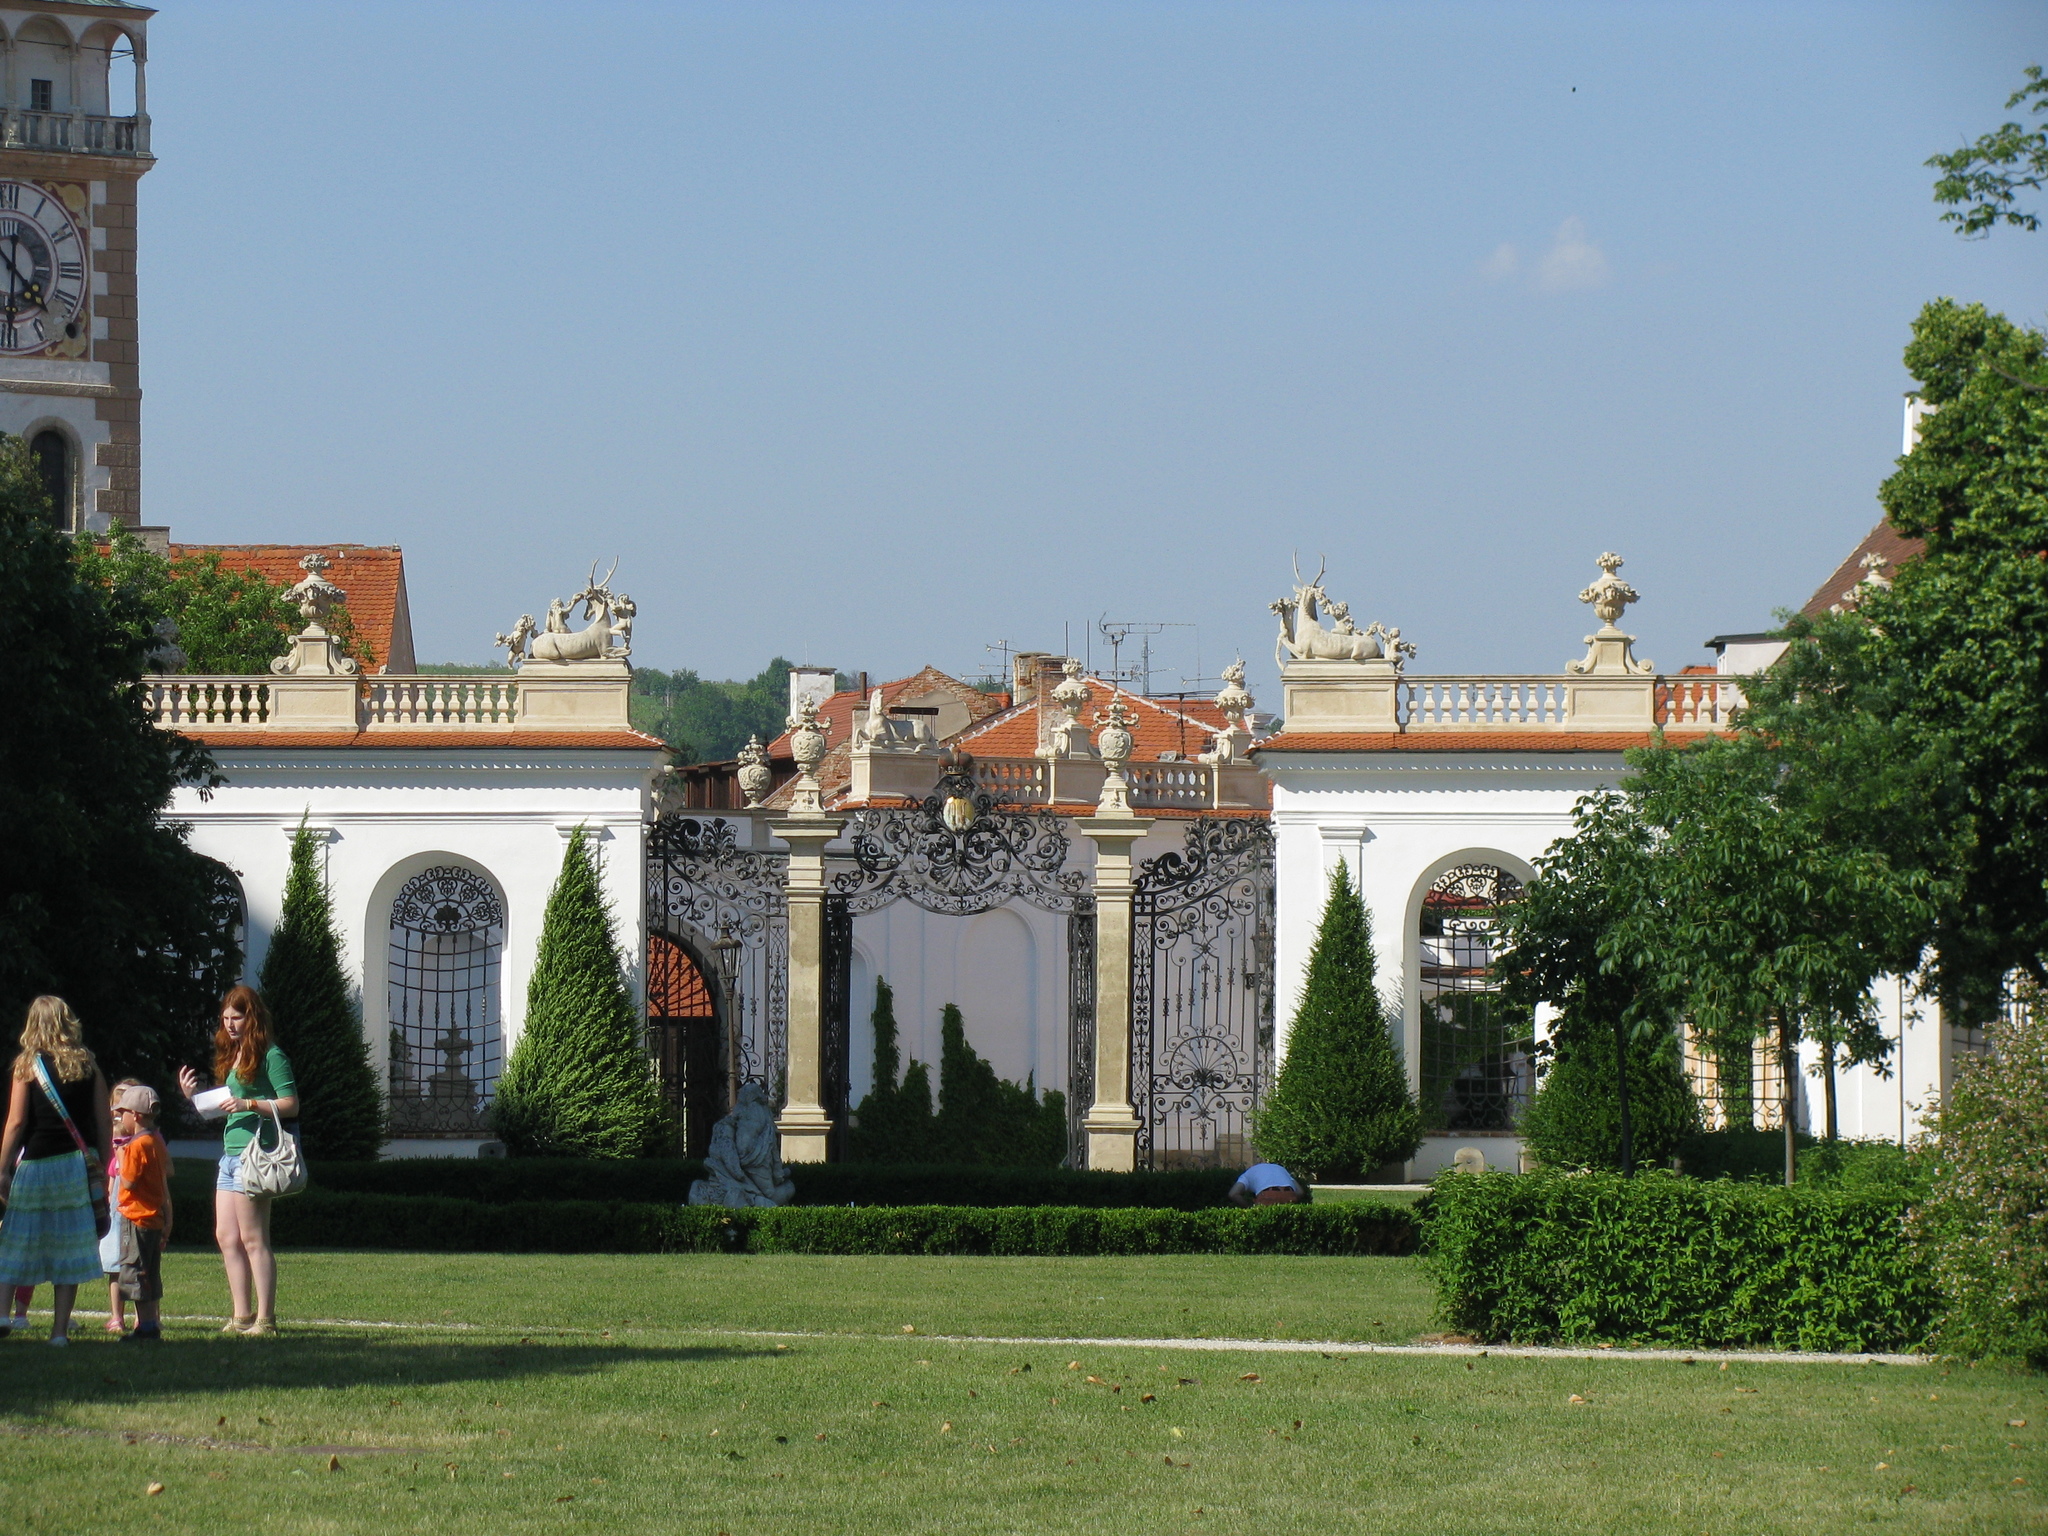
(46, 1234)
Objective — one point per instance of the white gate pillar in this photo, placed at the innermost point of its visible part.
(1112, 1122)
(805, 1128)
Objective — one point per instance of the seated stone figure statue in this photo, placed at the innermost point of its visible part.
(744, 1166)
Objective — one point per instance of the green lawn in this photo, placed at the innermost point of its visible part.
(644, 1421)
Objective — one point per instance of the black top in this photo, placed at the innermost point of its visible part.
(46, 1134)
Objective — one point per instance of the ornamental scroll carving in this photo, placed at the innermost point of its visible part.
(959, 853)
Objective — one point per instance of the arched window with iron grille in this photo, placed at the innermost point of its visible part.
(1478, 1054)
(447, 1041)
(51, 450)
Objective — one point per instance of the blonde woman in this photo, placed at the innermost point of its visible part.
(256, 1074)
(56, 1100)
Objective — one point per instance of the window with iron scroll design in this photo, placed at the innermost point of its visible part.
(447, 1043)
(1478, 1053)
(960, 852)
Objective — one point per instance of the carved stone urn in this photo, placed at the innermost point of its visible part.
(1114, 744)
(807, 746)
(1071, 697)
(754, 776)
(1609, 650)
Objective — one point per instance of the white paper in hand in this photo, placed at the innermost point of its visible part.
(212, 1104)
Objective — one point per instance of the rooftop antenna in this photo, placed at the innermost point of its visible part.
(1117, 631)
(1004, 649)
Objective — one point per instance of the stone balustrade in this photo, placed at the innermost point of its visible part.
(76, 132)
(569, 696)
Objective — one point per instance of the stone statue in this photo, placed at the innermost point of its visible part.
(608, 636)
(744, 1166)
(1303, 637)
(1068, 737)
(1609, 649)
(807, 746)
(1114, 746)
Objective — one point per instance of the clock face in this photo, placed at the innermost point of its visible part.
(42, 270)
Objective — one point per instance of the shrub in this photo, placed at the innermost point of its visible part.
(341, 1111)
(1864, 1165)
(893, 1122)
(1577, 1258)
(1739, 1152)
(1341, 1106)
(439, 1225)
(578, 1082)
(667, 1180)
(1984, 1226)
(1575, 1119)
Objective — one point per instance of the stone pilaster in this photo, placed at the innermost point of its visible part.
(1112, 1122)
(806, 1128)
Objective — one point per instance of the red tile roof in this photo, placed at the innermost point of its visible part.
(1883, 540)
(1188, 727)
(373, 576)
(835, 772)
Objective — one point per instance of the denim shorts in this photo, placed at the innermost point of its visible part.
(230, 1176)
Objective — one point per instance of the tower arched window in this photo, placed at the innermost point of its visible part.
(1478, 1053)
(447, 1040)
(56, 469)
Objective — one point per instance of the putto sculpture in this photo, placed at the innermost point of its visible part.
(1303, 637)
(607, 637)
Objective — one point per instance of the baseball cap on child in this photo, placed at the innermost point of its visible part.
(137, 1097)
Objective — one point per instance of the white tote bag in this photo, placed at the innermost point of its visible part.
(278, 1170)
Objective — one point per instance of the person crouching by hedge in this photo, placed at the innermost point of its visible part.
(259, 1084)
(144, 1202)
(58, 1121)
(1266, 1184)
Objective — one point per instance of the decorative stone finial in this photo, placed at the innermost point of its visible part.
(1873, 576)
(315, 596)
(754, 775)
(1609, 650)
(1069, 738)
(1114, 745)
(1235, 703)
(807, 746)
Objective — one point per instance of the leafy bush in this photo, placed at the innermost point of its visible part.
(341, 1111)
(980, 1119)
(1575, 1119)
(436, 1225)
(1738, 1152)
(505, 1181)
(1576, 1258)
(1984, 1225)
(1865, 1165)
(1341, 1107)
(579, 1083)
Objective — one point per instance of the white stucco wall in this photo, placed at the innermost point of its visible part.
(389, 814)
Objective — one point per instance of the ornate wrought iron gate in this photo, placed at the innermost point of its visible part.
(728, 904)
(1202, 994)
(957, 853)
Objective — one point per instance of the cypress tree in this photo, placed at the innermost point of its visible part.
(1575, 1119)
(341, 1111)
(893, 1122)
(1341, 1107)
(578, 1083)
(984, 1119)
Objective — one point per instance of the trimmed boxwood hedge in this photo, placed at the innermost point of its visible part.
(427, 1223)
(1578, 1258)
(666, 1181)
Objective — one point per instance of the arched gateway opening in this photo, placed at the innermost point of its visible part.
(1478, 1053)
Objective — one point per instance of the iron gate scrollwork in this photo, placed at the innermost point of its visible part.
(1202, 994)
(1478, 1054)
(704, 888)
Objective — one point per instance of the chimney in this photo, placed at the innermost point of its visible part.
(813, 683)
(1024, 670)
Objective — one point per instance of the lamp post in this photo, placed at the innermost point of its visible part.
(725, 950)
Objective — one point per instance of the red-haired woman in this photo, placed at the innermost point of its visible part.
(259, 1082)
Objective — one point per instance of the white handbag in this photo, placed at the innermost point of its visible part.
(278, 1170)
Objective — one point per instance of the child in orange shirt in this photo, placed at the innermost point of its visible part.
(144, 1167)
(111, 1245)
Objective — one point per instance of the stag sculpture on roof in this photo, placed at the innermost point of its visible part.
(1303, 637)
(607, 637)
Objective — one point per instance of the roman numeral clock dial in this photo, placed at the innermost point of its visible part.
(42, 271)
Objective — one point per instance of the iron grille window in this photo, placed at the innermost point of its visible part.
(1478, 1054)
(447, 1044)
(39, 92)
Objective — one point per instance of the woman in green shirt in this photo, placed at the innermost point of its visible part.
(259, 1080)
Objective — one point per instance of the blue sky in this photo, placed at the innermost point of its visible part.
(879, 335)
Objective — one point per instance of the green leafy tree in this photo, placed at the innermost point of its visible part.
(341, 1111)
(102, 901)
(984, 1119)
(1982, 1225)
(708, 722)
(1341, 1106)
(1574, 1121)
(200, 614)
(578, 1083)
(894, 1121)
(1981, 182)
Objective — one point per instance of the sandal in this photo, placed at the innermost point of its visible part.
(238, 1325)
(261, 1328)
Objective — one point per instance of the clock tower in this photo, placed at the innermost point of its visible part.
(74, 141)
